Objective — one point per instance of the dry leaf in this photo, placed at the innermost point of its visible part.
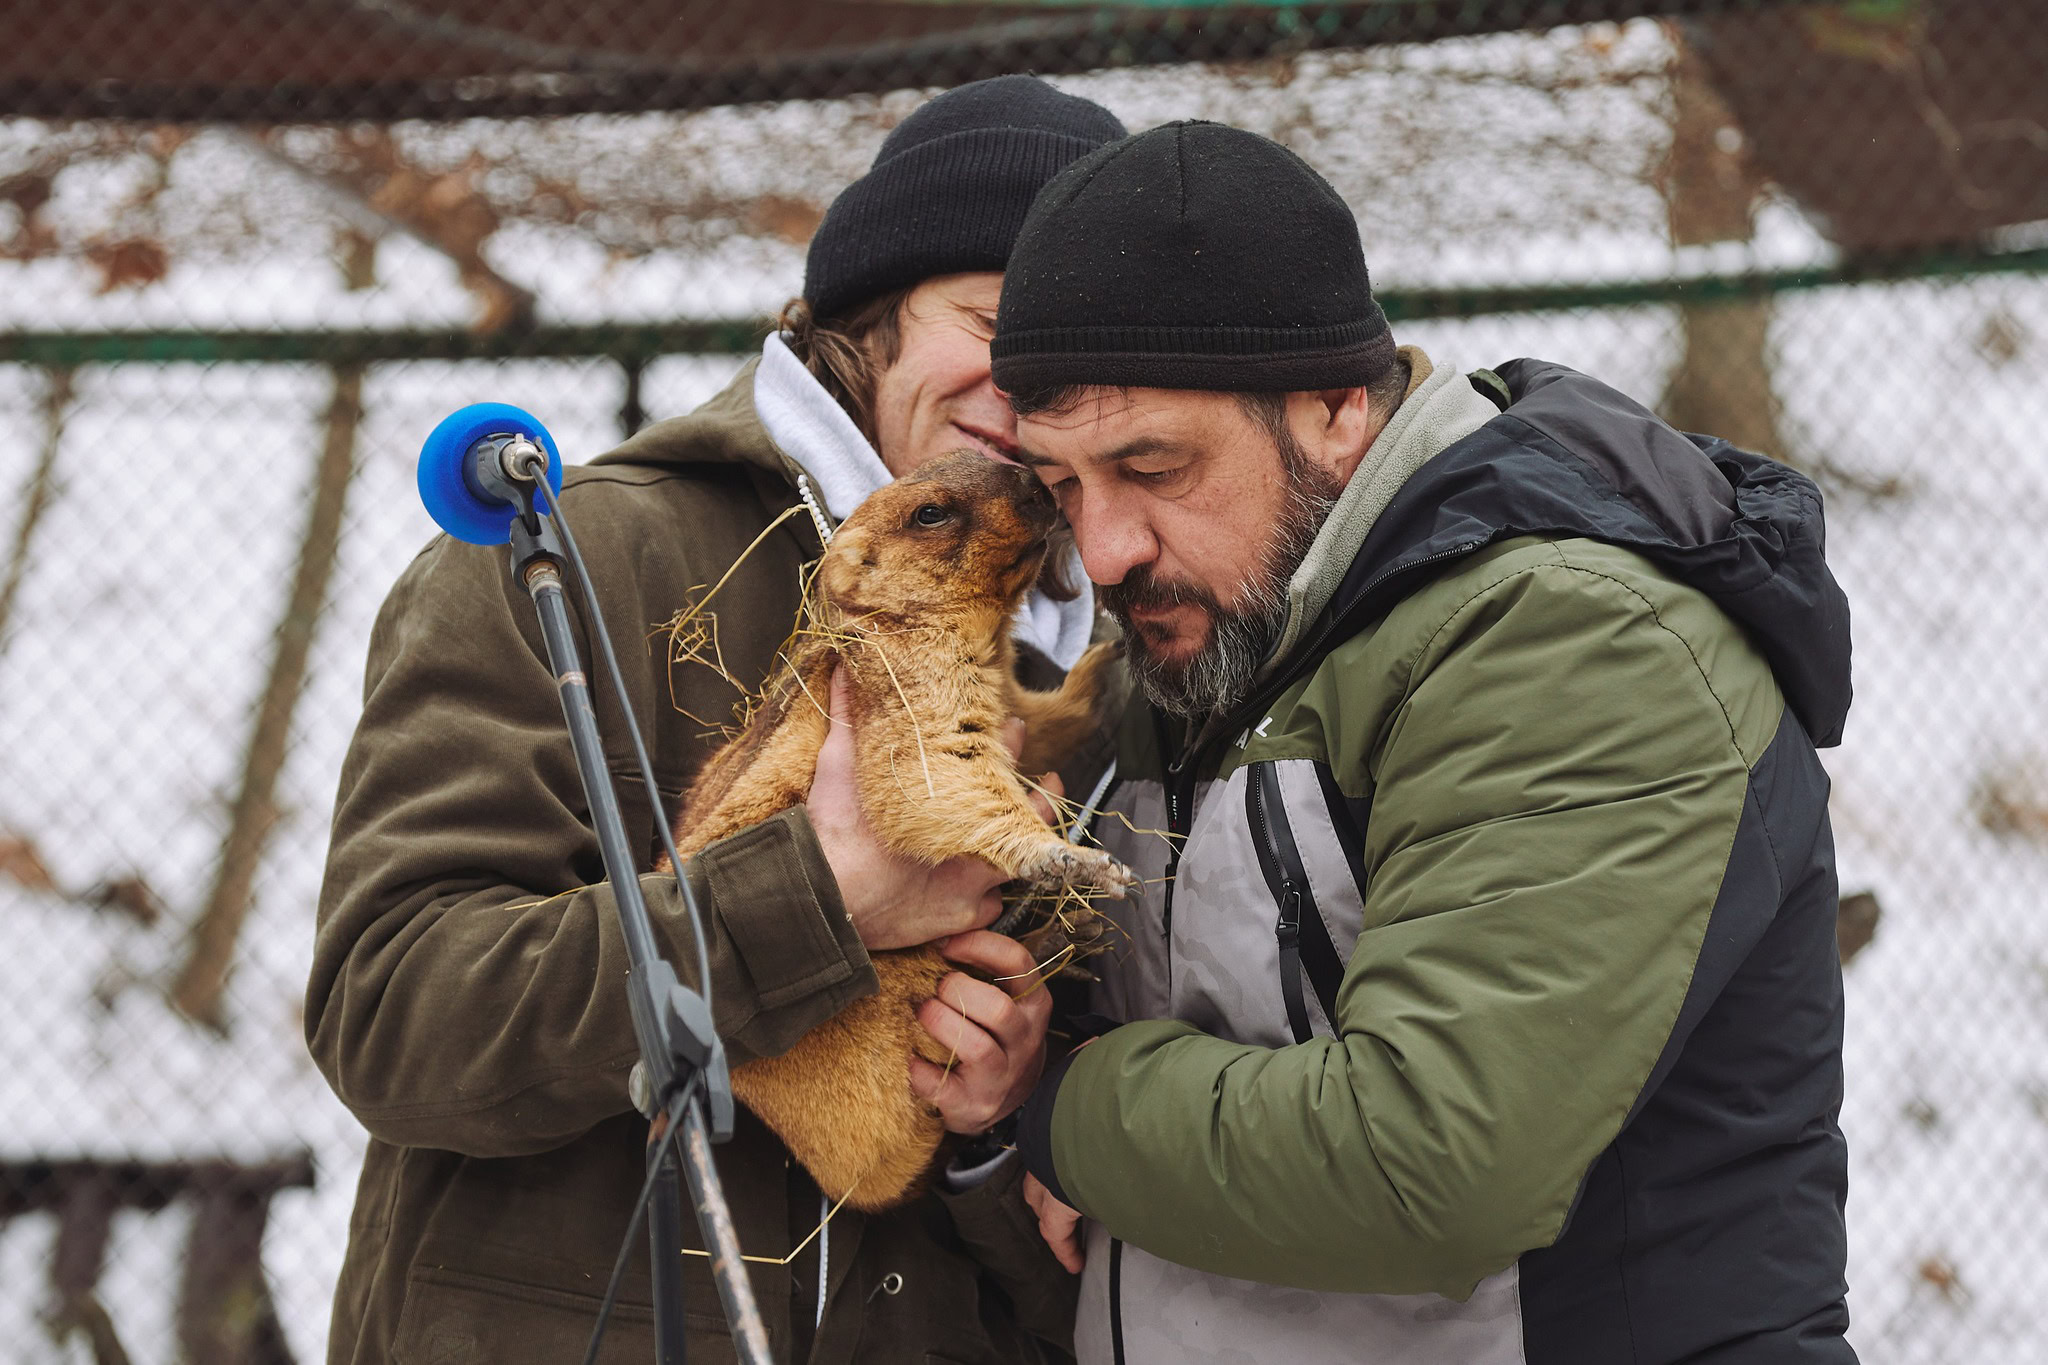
(132, 261)
(131, 896)
(1941, 1272)
(20, 862)
(2002, 339)
(786, 216)
(2011, 802)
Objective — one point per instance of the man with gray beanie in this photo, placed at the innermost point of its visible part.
(466, 999)
(1482, 1004)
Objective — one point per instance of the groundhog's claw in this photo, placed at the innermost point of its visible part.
(1064, 866)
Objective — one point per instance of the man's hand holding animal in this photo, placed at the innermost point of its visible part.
(995, 1030)
(893, 901)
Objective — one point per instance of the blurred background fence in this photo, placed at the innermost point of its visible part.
(251, 250)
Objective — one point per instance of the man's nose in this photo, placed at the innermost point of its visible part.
(1112, 542)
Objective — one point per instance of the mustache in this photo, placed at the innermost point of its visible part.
(1141, 589)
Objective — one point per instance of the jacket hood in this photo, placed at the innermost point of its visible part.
(1570, 456)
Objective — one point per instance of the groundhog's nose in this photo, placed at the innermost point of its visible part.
(1032, 492)
(1022, 476)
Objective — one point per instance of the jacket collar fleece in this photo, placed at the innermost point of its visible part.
(1437, 408)
(1570, 456)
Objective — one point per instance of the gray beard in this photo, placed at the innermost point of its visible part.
(1240, 637)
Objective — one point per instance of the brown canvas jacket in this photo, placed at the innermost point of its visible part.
(467, 995)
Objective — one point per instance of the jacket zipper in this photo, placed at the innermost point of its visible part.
(1177, 832)
(1280, 861)
(1179, 796)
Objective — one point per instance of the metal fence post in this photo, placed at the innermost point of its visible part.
(196, 992)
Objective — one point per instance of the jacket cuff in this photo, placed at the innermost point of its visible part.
(956, 1178)
(783, 953)
(991, 1211)
(774, 892)
(1034, 1127)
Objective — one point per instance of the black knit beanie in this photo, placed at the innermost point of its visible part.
(1193, 256)
(949, 189)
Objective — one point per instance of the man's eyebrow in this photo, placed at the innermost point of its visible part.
(1129, 450)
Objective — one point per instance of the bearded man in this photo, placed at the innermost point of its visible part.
(467, 999)
(1484, 1004)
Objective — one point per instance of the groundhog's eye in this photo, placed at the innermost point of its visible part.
(931, 514)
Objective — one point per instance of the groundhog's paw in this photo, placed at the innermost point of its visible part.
(1069, 866)
(1100, 656)
(1094, 674)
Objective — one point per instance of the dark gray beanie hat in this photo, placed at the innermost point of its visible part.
(1193, 256)
(949, 189)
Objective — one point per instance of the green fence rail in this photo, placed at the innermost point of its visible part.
(638, 343)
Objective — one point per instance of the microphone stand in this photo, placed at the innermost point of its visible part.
(680, 1054)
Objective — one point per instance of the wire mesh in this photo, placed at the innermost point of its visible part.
(251, 252)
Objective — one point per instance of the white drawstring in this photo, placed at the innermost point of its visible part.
(824, 1255)
(803, 490)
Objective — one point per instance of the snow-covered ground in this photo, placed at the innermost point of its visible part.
(142, 635)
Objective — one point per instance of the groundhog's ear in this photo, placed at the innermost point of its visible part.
(852, 544)
(848, 556)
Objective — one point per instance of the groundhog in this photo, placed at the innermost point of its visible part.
(914, 601)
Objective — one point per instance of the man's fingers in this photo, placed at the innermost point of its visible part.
(970, 1043)
(954, 913)
(1016, 972)
(1057, 1224)
(1060, 1226)
(966, 1093)
(1045, 802)
(1013, 737)
(1005, 960)
(841, 700)
(991, 1008)
(833, 779)
(927, 1079)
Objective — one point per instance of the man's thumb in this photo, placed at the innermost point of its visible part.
(841, 700)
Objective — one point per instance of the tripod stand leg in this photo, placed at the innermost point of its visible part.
(714, 1219)
(665, 1234)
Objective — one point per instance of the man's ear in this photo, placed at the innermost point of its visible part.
(1332, 424)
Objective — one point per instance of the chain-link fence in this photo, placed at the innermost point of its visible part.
(251, 252)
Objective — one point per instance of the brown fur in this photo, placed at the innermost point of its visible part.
(918, 617)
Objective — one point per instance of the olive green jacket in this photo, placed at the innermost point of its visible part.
(467, 997)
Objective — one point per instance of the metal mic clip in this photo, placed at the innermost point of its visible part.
(505, 467)
(508, 467)
(523, 461)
